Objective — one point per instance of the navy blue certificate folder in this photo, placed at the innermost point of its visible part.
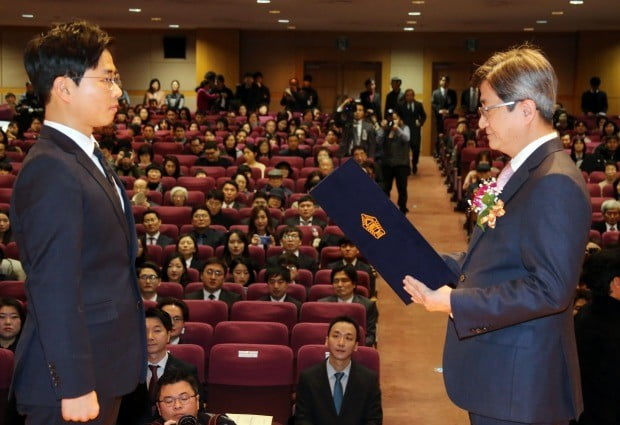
(381, 232)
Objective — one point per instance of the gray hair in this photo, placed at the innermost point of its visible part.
(610, 204)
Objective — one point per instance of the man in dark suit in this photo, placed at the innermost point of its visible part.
(344, 280)
(371, 99)
(204, 235)
(339, 391)
(278, 279)
(152, 224)
(443, 102)
(413, 115)
(358, 132)
(510, 353)
(611, 214)
(82, 345)
(394, 98)
(230, 191)
(290, 240)
(212, 277)
(470, 100)
(306, 208)
(140, 405)
(350, 254)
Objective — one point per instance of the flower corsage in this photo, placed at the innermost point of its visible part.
(486, 203)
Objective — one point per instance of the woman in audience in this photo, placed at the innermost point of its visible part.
(235, 246)
(246, 171)
(242, 183)
(204, 98)
(321, 153)
(12, 316)
(185, 114)
(171, 166)
(145, 156)
(287, 170)
(260, 230)
(163, 124)
(578, 151)
(175, 269)
(154, 92)
(175, 99)
(144, 115)
(263, 149)
(331, 138)
(609, 129)
(601, 120)
(178, 196)
(253, 121)
(242, 271)
(230, 146)
(242, 111)
(250, 152)
(616, 191)
(581, 131)
(246, 127)
(482, 157)
(188, 248)
(312, 180)
(6, 234)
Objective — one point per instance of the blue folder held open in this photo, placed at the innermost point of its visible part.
(381, 232)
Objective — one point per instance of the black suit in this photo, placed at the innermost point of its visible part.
(601, 226)
(372, 314)
(414, 116)
(138, 408)
(305, 262)
(162, 240)
(393, 101)
(443, 101)
(85, 326)
(361, 404)
(351, 138)
(287, 299)
(374, 104)
(296, 221)
(227, 296)
(211, 237)
(359, 265)
(468, 103)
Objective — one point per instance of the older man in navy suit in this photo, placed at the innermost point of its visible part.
(510, 353)
(83, 343)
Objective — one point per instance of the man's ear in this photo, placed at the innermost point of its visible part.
(62, 87)
(528, 108)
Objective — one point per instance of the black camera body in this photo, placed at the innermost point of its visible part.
(188, 420)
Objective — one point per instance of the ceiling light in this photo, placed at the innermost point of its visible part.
(274, 12)
(156, 19)
(415, 13)
(135, 10)
(291, 27)
(408, 29)
(418, 2)
(541, 21)
(263, 1)
(174, 26)
(28, 15)
(411, 22)
(283, 21)
(576, 1)
(557, 13)
(528, 29)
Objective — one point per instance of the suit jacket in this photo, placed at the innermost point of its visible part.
(287, 299)
(225, 295)
(447, 101)
(305, 262)
(415, 120)
(361, 404)
(296, 221)
(351, 139)
(510, 350)
(372, 314)
(374, 104)
(359, 265)
(138, 408)
(211, 237)
(600, 226)
(162, 240)
(80, 265)
(466, 97)
(393, 101)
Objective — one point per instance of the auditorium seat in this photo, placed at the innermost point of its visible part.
(307, 333)
(210, 312)
(204, 185)
(610, 238)
(234, 287)
(170, 230)
(174, 215)
(259, 289)
(13, 289)
(6, 374)
(324, 312)
(195, 198)
(304, 277)
(199, 334)
(11, 250)
(319, 291)
(190, 353)
(170, 289)
(273, 333)
(167, 148)
(285, 313)
(7, 181)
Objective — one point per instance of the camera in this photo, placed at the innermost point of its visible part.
(188, 420)
(390, 124)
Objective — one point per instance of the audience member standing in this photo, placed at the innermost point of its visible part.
(594, 100)
(414, 116)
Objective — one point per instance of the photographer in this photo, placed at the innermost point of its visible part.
(356, 130)
(394, 137)
(178, 402)
(125, 165)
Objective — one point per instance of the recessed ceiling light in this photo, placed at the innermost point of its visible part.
(274, 12)
(174, 26)
(156, 19)
(576, 1)
(557, 13)
(411, 22)
(291, 27)
(418, 2)
(28, 15)
(263, 1)
(408, 29)
(415, 13)
(283, 21)
(135, 10)
(528, 29)
(541, 21)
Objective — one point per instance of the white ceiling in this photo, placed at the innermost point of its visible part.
(324, 15)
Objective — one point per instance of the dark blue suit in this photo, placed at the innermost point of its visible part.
(510, 350)
(85, 327)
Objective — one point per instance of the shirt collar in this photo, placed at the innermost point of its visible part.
(87, 144)
(216, 294)
(331, 371)
(525, 153)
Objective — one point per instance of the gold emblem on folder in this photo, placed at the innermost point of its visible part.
(371, 225)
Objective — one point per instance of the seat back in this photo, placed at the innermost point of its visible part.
(190, 353)
(204, 311)
(13, 289)
(6, 374)
(251, 333)
(267, 311)
(324, 312)
(200, 334)
(170, 289)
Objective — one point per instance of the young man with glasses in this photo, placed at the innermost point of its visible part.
(278, 279)
(212, 277)
(290, 240)
(67, 367)
(149, 278)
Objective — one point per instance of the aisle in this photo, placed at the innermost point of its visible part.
(410, 339)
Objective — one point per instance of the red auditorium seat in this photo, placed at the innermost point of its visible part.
(167, 148)
(319, 291)
(258, 290)
(304, 277)
(6, 374)
(14, 289)
(210, 312)
(308, 333)
(190, 353)
(199, 334)
(273, 333)
(170, 289)
(196, 183)
(610, 238)
(195, 198)
(7, 181)
(285, 313)
(324, 312)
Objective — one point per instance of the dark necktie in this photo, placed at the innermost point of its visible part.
(211, 297)
(106, 168)
(152, 240)
(153, 381)
(338, 393)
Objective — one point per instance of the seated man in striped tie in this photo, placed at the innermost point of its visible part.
(339, 390)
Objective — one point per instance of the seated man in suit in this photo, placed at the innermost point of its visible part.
(344, 280)
(179, 386)
(230, 191)
(290, 240)
(349, 258)
(293, 147)
(201, 220)
(179, 313)
(212, 277)
(152, 223)
(339, 390)
(278, 279)
(212, 157)
(214, 202)
(139, 406)
(611, 214)
(306, 208)
(149, 278)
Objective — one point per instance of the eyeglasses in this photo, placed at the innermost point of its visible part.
(183, 399)
(210, 272)
(290, 236)
(177, 319)
(483, 110)
(110, 81)
(149, 277)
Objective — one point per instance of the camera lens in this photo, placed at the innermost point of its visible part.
(187, 420)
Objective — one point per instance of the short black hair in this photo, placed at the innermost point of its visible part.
(150, 265)
(151, 212)
(346, 319)
(176, 302)
(174, 375)
(348, 270)
(291, 229)
(595, 81)
(67, 49)
(306, 198)
(16, 304)
(277, 271)
(162, 316)
(215, 260)
(600, 269)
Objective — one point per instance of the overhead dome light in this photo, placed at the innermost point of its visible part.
(541, 21)
(528, 29)
(135, 10)
(263, 1)
(283, 21)
(576, 2)
(408, 29)
(28, 15)
(274, 12)
(174, 26)
(415, 13)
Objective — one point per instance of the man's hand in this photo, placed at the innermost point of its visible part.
(80, 409)
(438, 300)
